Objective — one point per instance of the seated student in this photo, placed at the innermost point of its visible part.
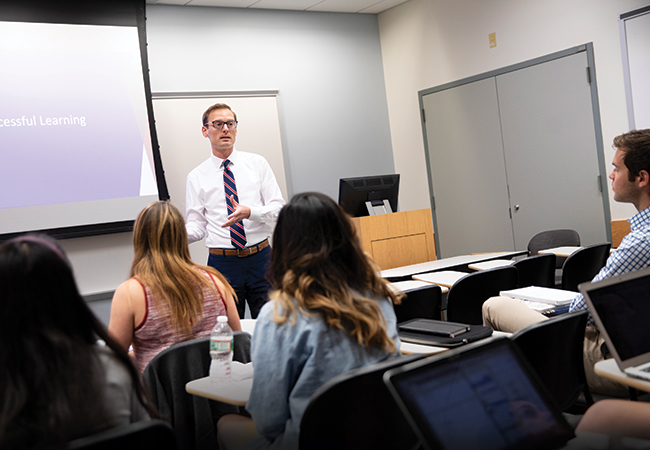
(621, 418)
(631, 184)
(169, 298)
(57, 382)
(329, 313)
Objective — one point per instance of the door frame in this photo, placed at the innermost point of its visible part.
(600, 154)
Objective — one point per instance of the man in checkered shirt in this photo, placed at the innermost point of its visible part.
(630, 184)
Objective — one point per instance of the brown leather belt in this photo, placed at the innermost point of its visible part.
(241, 253)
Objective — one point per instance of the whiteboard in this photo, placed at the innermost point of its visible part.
(635, 45)
(183, 147)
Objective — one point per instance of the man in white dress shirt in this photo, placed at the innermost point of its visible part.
(233, 201)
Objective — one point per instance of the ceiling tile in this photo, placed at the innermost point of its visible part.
(171, 2)
(223, 3)
(382, 6)
(343, 5)
(300, 5)
(347, 6)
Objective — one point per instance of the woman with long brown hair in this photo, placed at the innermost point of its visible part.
(329, 313)
(169, 298)
(61, 374)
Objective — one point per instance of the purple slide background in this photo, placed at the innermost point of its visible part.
(43, 164)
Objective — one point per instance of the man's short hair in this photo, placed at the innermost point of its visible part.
(636, 151)
(214, 107)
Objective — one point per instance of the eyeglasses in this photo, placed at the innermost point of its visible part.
(218, 124)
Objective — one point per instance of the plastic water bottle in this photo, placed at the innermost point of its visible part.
(221, 346)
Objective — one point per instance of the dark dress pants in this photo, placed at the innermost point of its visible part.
(247, 277)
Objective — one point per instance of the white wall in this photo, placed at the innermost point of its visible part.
(426, 43)
(332, 99)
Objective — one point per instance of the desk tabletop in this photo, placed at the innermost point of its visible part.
(560, 251)
(445, 263)
(492, 264)
(445, 278)
(609, 369)
(235, 392)
(412, 285)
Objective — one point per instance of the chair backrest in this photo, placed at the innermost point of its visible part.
(554, 349)
(537, 270)
(467, 295)
(355, 411)
(193, 418)
(156, 434)
(553, 238)
(421, 303)
(583, 265)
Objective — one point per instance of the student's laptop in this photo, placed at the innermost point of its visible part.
(620, 307)
(481, 396)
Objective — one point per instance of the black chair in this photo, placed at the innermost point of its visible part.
(554, 349)
(553, 238)
(467, 295)
(156, 434)
(583, 265)
(537, 270)
(423, 302)
(355, 411)
(193, 418)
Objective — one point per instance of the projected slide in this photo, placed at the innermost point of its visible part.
(73, 124)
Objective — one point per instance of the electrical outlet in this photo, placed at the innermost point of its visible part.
(493, 39)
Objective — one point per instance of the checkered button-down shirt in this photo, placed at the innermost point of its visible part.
(633, 254)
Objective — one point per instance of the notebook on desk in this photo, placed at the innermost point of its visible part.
(547, 301)
(620, 307)
(550, 296)
(483, 396)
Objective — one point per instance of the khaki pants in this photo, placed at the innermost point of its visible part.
(510, 315)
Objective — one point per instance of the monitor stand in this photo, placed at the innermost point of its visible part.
(376, 207)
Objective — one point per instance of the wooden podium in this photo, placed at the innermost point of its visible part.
(397, 239)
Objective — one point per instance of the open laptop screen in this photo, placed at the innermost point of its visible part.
(623, 307)
(482, 398)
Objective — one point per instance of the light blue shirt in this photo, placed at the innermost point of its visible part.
(292, 362)
(633, 254)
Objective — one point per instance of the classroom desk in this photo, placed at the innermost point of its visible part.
(236, 392)
(407, 272)
(493, 264)
(412, 285)
(609, 369)
(233, 393)
(445, 278)
(560, 251)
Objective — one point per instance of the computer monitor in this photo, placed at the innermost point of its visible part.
(380, 191)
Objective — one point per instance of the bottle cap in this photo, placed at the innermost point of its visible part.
(222, 319)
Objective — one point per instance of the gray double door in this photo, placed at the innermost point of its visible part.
(516, 152)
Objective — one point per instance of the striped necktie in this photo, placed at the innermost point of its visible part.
(237, 233)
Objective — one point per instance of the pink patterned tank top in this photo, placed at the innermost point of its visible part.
(155, 334)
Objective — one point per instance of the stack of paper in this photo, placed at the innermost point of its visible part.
(548, 296)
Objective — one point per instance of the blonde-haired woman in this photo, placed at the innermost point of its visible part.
(329, 313)
(169, 298)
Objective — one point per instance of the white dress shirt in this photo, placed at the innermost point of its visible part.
(205, 203)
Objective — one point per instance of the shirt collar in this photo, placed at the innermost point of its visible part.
(234, 156)
(640, 218)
